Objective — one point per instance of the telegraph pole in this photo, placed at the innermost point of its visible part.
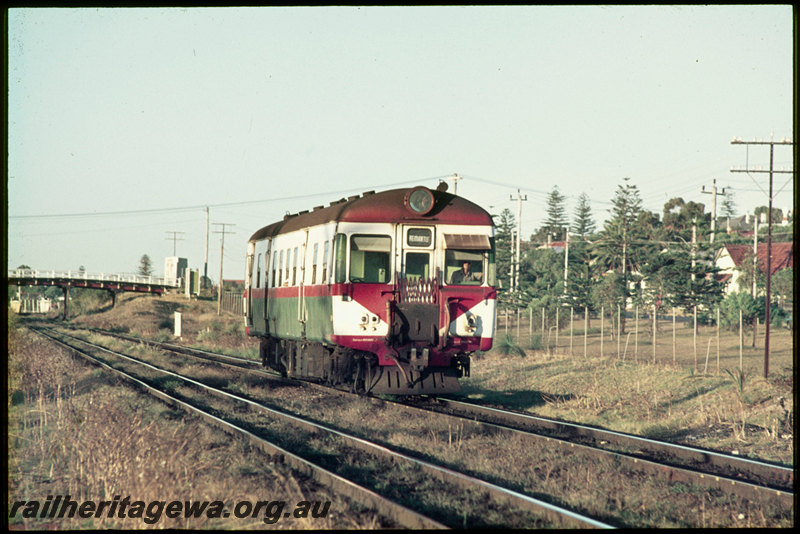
(456, 178)
(771, 171)
(515, 271)
(566, 261)
(175, 239)
(713, 194)
(221, 253)
(205, 261)
(755, 251)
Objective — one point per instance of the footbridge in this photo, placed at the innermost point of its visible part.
(114, 283)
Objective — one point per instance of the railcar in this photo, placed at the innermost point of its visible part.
(387, 292)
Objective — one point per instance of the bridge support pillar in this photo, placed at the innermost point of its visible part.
(113, 298)
(66, 301)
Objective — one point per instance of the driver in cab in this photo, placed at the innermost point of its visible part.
(464, 275)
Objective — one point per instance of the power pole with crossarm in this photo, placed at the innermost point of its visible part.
(771, 171)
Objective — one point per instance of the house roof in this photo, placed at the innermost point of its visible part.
(724, 278)
(557, 246)
(782, 255)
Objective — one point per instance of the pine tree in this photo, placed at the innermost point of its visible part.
(145, 266)
(728, 208)
(613, 249)
(584, 222)
(556, 215)
(621, 245)
(504, 229)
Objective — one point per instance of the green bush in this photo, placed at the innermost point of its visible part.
(507, 345)
(730, 306)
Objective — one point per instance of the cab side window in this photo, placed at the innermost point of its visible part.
(370, 259)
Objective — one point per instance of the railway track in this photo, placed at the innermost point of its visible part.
(755, 481)
(742, 476)
(745, 477)
(396, 473)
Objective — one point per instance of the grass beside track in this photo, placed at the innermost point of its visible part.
(73, 430)
(728, 411)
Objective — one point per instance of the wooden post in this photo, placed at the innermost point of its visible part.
(654, 333)
(741, 340)
(542, 323)
(673, 334)
(602, 328)
(571, 325)
(717, 339)
(557, 328)
(636, 336)
(695, 337)
(530, 325)
(619, 328)
(585, 328)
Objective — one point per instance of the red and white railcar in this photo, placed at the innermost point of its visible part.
(385, 292)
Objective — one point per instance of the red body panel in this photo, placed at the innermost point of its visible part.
(454, 301)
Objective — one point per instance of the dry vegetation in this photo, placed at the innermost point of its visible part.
(721, 408)
(74, 431)
(56, 409)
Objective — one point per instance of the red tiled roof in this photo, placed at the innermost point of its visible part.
(782, 255)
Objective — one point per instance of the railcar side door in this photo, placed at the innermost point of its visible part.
(301, 301)
(258, 290)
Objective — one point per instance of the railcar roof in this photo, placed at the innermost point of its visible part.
(386, 206)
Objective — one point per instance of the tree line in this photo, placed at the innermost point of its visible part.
(637, 258)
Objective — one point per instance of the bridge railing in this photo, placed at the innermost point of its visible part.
(102, 277)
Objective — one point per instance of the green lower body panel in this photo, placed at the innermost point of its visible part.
(286, 320)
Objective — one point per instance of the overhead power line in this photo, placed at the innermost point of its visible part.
(219, 205)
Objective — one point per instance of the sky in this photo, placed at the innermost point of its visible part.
(125, 124)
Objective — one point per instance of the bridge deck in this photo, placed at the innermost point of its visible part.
(116, 282)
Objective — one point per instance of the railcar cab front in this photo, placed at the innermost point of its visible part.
(419, 285)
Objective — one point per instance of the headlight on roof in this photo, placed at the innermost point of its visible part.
(419, 200)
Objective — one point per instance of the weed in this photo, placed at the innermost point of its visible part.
(536, 342)
(508, 346)
(738, 378)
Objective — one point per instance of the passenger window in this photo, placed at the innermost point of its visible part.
(280, 270)
(258, 271)
(325, 259)
(314, 264)
(274, 260)
(294, 267)
(370, 257)
(287, 266)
